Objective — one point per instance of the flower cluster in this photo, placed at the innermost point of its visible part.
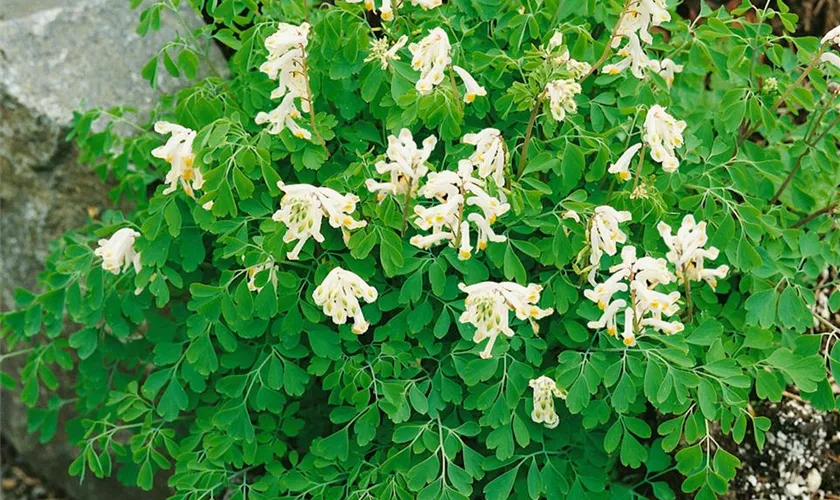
(488, 305)
(382, 51)
(303, 208)
(491, 154)
(406, 167)
(545, 390)
(178, 152)
(663, 133)
(447, 221)
(117, 252)
(605, 234)
(286, 63)
(558, 54)
(687, 253)
(641, 15)
(431, 57)
(561, 97)
(338, 295)
(647, 307)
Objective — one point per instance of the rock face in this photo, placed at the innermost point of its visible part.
(56, 57)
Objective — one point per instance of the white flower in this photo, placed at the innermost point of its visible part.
(545, 390)
(622, 165)
(608, 317)
(628, 336)
(338, 295)
(118, 253)
(640, 17)
(556, 41)
(602, 293)
(571, 214)
(303, 208)
(663, 134)
(178, 152)
(406, 167)
(427, 4)
(578, 68)
(491, 154)
(208, 205)
(455, 191)
(386, 13)
(286, 63)
(561, 97)
(380, 51)
(605, 235)
(254, 270)
(831, 58)
(634, 58)
(473, 88)
(488, 305)
(832, 36)
(666, 68)
(687, 252)
(431, 57)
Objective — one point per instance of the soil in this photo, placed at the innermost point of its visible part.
(17, 480)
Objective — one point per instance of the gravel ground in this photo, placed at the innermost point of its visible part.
(17, 482)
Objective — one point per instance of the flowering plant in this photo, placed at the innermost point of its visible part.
(225, 333)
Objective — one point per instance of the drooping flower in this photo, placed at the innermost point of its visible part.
(270, 266)
(491, 154)
(178, 152)
(406, 167)
(561, 97)
(473, 88)
(488, 305)
(431, 57)
(605, 234)
(634, 58)
(622, 166)
(571, 214)
(666, 68)
(687, 253)
(118, 253)
(286, 63)
(640, 17)
(545, 390)
(831, 58)
(833, 37)
(381, 51)
(448, 220)
(338, 296)
(303, 208)
(663, 134)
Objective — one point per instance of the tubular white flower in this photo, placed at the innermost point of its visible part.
(831, 58)
(666, 68)
(605, 234)
(286, 63)
(406, 167)
(634, 58)
(687, 252)
(622, 166)
(178, 152)
(545, 390)
(663, 134)
(338, 296)
(602, 293)
(252, 272)
(640, 17)
(118, 253)
(488, 304)
(491, 154)
(303, 207)
(571, 214)
(454, 192)
(473, 88)
(628, 336)
(561, 97)
(833, 37)
(608, 318)
(578, 68)
(427, 4)
(556, 41)
(382, 52)
(386, 13)
(431, 57)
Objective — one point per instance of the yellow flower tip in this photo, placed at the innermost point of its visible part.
(482, 245)
(470, 97)
(387, 15)
(348, 221)
(380, 197)
(611, 331)
(464, 254)
(299, 134)
(480, 157)
(535, 311)
(601, 305)
(630, 341)
(492, 219)
(369, 4)
(438, 218)
(188, 160)
(625, 175)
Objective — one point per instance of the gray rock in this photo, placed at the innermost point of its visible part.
(81, 54)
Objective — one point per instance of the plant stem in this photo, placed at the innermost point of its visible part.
(312, 105)
(455, 93)
(826, 209)
(523, 156)
(406, 203)
(688, 303)
(606, 53)
(639, 168)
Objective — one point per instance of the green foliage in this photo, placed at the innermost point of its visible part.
(182, 366)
